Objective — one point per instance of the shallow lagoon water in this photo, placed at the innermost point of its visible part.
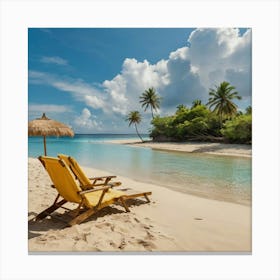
(217, 177)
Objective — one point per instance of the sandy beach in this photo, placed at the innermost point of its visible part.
(172, 222)
(238, 150)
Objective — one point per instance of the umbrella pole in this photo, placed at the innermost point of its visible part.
(45, 147)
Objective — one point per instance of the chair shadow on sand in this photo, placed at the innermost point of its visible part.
(58, 221)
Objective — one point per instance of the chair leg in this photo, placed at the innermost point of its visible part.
(124, 204)
(49, 210)
(82, 217)
(147, 198)
(76, 211)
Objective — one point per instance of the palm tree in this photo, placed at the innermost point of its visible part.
(149, 98)
(196, 103)
(248, 110)
(221, 100)
(134, 117)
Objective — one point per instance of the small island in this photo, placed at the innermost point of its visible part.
(218, 121)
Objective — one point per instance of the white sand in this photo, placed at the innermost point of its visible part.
(192, 147)
(173, 221)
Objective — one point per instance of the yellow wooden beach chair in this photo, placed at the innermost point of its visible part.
(85, 182)
(89, 201)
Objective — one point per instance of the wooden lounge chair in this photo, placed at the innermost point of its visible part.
(89, 201)
(85, 182)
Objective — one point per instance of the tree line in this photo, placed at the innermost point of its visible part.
(217, 120)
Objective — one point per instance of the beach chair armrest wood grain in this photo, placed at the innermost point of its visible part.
(102, 177)
(92, 186)
(95, 190)
(105, 178)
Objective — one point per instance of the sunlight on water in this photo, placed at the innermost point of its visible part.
(218, 177)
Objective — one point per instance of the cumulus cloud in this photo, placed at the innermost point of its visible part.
(54, 60)
(125, 88)
(220, 54)
(86, 122)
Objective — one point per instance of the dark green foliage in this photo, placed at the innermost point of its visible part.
(214, 128)
(196, 127)
(220, 122)
(197, 122)
(238, 130)
(163, 127)
(196, 103)
(248, 110)
(185, 114)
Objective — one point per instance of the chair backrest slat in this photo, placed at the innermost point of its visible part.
(62, 178)
(76, 169)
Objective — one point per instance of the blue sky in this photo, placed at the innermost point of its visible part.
(90, 78)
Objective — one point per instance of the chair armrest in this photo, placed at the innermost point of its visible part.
(102, 177)
(107, 187)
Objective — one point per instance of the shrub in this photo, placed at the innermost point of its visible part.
(162, 127)
(238, 130)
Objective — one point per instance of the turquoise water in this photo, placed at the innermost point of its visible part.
(216, 177)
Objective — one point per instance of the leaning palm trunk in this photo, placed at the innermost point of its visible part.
(138, 133)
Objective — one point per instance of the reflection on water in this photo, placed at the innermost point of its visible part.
(219, 177)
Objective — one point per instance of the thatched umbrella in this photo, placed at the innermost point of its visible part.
(46, 127)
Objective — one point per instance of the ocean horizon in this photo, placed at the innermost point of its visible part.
(215, 177)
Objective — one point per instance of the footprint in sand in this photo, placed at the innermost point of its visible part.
(52, 237)
(102, 225)
(113, 244)
(150, 236)
(146, 244)
(122, 245)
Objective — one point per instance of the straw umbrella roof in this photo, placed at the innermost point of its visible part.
(47, 127)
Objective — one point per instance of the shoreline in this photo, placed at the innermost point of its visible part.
(219, 149)
(172, 222)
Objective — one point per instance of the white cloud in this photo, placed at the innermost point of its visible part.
(181, 53)
(54, 60)
(86, 122)
(80, 90)
(135, 77)
(216, 52)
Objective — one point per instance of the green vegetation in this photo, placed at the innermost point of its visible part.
(239, 129)
(218, 121)
(196, 123)
(224, 123)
